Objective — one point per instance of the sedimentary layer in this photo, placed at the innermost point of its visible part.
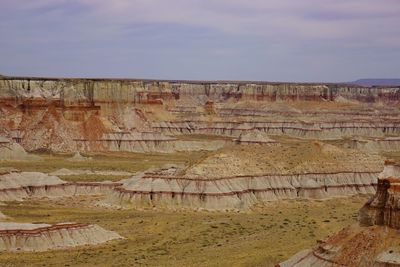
(374, 144)
(238, 177)
(68, 115)
(20, 186)
(383, 208)
(309, 130)
(15, 237)
(351, 247)
(145, 142)
(142, 91)
(237, 193)
(375, 243)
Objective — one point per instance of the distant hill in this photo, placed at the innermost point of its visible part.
(377, 82)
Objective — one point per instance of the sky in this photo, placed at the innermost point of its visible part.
(268, 40)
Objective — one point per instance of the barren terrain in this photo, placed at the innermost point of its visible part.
(187, 173)
(265, 236)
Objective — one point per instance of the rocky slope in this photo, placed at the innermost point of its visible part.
(383, 208)
(235, 178)
(23, 185)
(20, 186)
(16, 237)
(131, 115)
(10, 150)
(374, 243)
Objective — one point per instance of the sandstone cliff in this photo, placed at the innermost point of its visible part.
(73, 91)
(66, 115)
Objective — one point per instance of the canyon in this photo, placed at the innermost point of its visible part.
(64, 115)
(198, 149)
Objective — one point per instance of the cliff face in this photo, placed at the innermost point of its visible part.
(82, 114)
(384, 207)
(69, 91)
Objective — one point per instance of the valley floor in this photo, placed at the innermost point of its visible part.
(264, 236)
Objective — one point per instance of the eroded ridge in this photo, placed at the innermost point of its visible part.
(239, 177)
(383, 208)
(22, 185)
(16, 237)
(68, 115)
(374, 242)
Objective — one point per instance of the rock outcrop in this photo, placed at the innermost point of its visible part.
(374, 242)
(149, 91)
(10, 150)
(383, 208)
(372, 145)
(18, 237)
(68, 115)
(15, 237)
(24, 185)
(255, 137)
(78, 157)
(238, 177)
(145, 142)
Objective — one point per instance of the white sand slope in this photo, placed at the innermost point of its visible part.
(24, 179)
(41, 237)
(23, 185)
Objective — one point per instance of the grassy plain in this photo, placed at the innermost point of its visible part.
(262, 237)
(121, 161)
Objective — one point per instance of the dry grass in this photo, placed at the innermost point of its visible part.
(158, 238)
(288, 157)
(130, 162)
(262, 237)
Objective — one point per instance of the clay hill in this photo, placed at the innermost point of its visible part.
(22, 186)
(237, 177)
(16, 237)
(374, 242)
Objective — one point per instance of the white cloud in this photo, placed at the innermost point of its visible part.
(352, 20)
(328, 19)
(284, 38)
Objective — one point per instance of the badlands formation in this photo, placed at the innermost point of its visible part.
(69, 115)
(40, 237)
(237, 177)
(148, 146)
(374, 243)
(243, 122)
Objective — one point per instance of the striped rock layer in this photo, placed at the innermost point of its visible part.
(67, 115)
(373, 243)
(16, 237)
(238, 193)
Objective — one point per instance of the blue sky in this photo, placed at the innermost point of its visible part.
(273, 40)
